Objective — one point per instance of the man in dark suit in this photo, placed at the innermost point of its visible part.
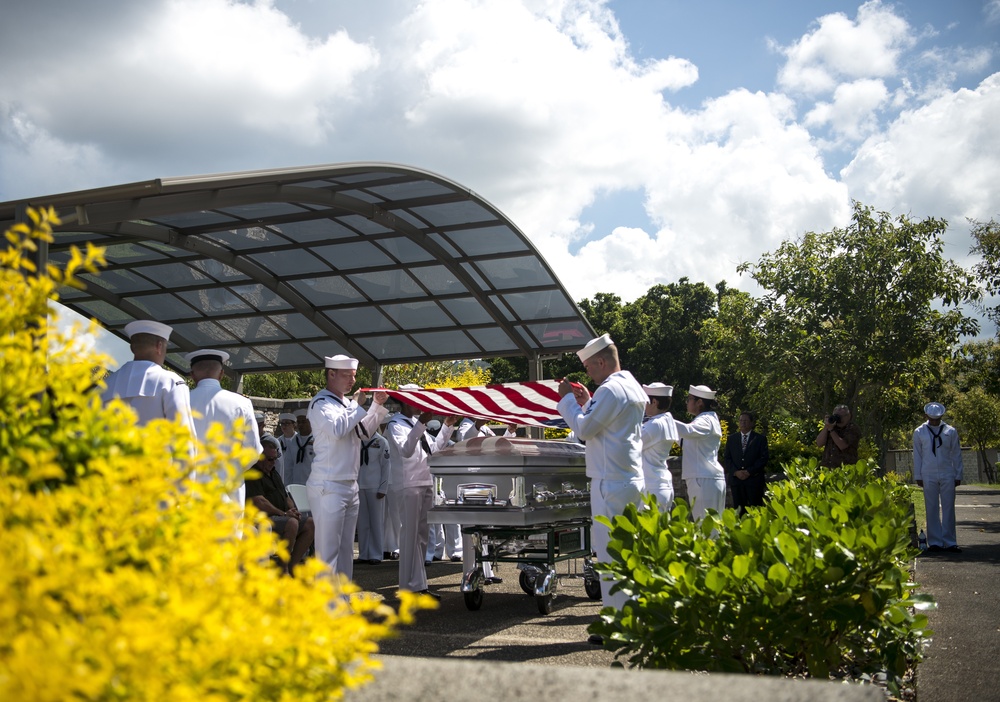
(745, 458)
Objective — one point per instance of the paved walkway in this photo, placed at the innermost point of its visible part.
(961, 660)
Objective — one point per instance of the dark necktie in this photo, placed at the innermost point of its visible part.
(937, 440)
(364, 451)
(745, 438)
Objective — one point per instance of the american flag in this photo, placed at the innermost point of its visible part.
(532, 403)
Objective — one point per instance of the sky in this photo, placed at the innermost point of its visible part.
(635, 142)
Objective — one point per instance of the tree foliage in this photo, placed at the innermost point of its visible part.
(862, 315)
(977, 417)
(122, 577)
(987, 236)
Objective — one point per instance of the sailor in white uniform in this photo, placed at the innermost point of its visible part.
(937, 468)
(298, 466)
(286, 440)
(150, 389)
(373, 485)
(700, 468)
(211, 404)
(339, 425)
(610, 423)
(409, 449)
(658, 436)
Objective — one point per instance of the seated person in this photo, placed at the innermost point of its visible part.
(269, 495)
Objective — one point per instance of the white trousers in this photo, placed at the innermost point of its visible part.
(334, 505)
(939, 501)
(609, 498)
(393, 520)
(417, 503)
(444, 541)
(705, 494)
(371, 514)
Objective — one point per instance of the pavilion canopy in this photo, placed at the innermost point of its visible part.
(280, 268)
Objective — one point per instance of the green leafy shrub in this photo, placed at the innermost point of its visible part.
(813, 583)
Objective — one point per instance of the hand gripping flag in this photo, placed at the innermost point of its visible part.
(531, 403)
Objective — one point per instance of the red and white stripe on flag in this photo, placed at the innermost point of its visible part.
(532, 403)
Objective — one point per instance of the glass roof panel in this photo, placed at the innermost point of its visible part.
(474, 274)
(484, 241)
(405, 250)
(323, 229)
(331, 290)
(108, 315)
(544, 304)
(410, 190)
(418, 315)
(327, 347)
(243, 239)
(130, 253)
(493, 338)
(386, 285)
(397, 346)
(467, 310)
(297, 326)
(353, 255)
(262, 210)
(561, 333)
(518, 272)
(289, 262)
(360, 320)
(206, 334)
(165, 307)
(447, 342)
(449, 213)
(261, 298)
(218, 270)
(120, 280)
(174, 275)
(363, 224)
(215, 300)
(438, 279)
(189, 220)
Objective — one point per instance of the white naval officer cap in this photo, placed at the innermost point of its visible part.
(409, 386)
(934, 410)
(148, 326)
(286, 416)
(659, 390)
(341, 362)
(301, 413)
(702, 391)
(593, 346)
(206, 355)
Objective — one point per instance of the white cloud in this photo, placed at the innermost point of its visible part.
(852, 113)
(840, 49)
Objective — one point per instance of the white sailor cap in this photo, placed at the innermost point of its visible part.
(702, 391)
(659, 390)
(286, 417)
(301, 413)
(148, 326)
(593, 346)
(934, 410)
(206, 355)
(409, 386)
(341, 362)
(433, 425)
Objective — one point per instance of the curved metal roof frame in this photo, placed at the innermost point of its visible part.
(383, 262)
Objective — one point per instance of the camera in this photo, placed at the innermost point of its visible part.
(833, 418)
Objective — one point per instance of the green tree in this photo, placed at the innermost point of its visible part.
(987, 236)
(862, 315)
(977, 417)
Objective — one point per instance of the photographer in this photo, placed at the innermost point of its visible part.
(839, 439)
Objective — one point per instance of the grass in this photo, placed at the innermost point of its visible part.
(917, 496)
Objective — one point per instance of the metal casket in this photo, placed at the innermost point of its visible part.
(510, 482)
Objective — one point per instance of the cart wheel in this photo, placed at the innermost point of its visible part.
(527, 582)
(474, 599)
(544, 603)
(593, 588)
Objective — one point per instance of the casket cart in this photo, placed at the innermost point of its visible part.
(521, 501)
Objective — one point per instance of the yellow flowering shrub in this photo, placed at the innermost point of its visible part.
(124, 579)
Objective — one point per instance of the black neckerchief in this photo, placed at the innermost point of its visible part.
(423, 437)
(364, 449)
(937, 440)
(300, 455)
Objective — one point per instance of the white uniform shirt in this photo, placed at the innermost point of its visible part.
(286, 455)
(152, 391)
(611, 426)
(658, 436)
(700, 450)
(213, 404)
(407, 453)
(374, 472)
(337, 425)
(946, 462)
